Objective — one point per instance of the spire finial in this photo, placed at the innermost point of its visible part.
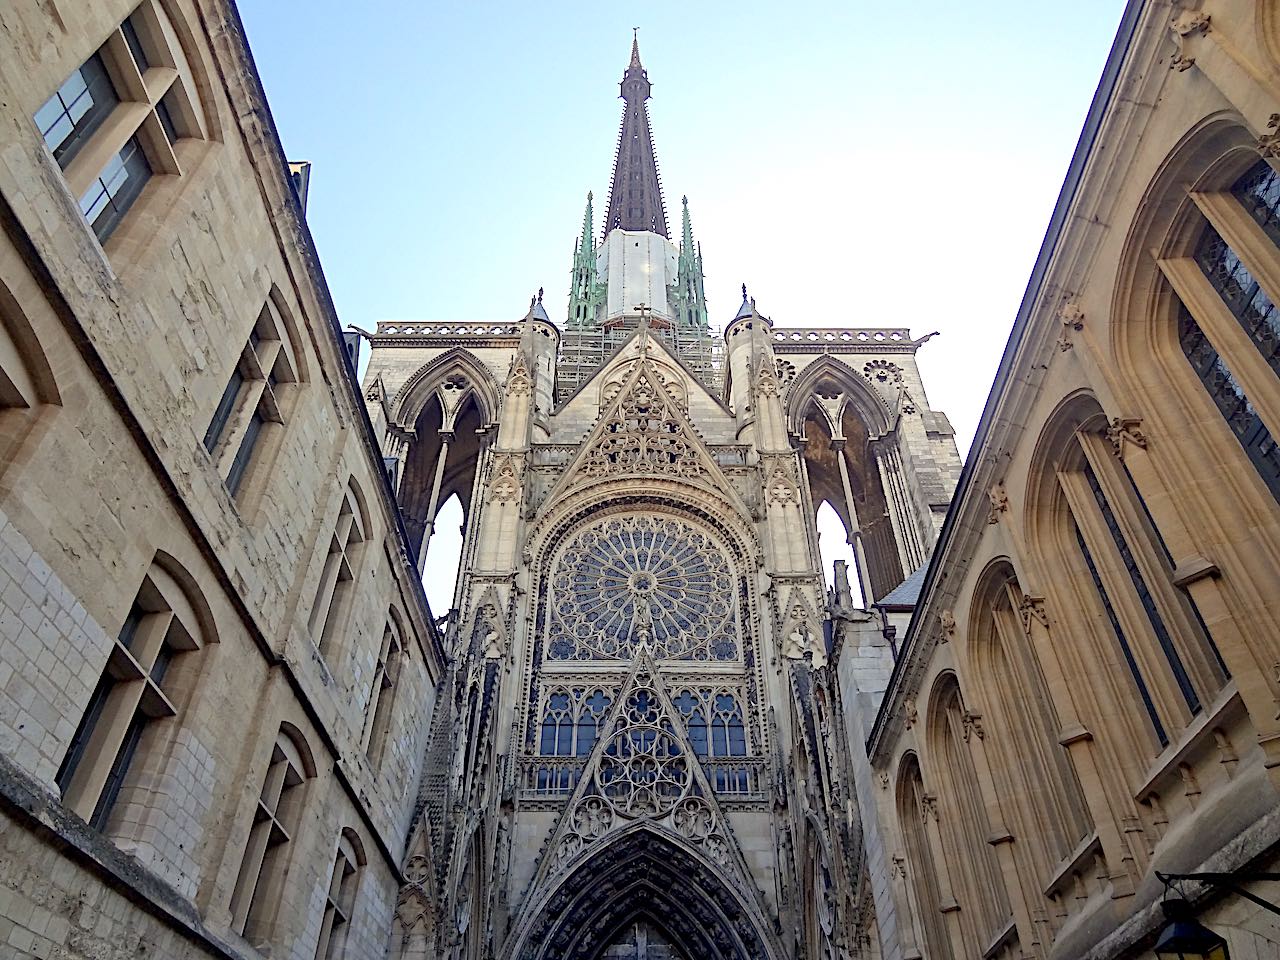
(744, 293)
(539, 294)
(635, 47)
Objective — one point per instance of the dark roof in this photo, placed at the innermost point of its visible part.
(905, 594)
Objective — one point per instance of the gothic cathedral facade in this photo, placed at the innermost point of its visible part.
(639, 743)
(1034, 716)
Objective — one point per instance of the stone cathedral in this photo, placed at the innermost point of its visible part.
(638, 750)
(1037, 717)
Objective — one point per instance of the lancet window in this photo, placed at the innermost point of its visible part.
(571, 721)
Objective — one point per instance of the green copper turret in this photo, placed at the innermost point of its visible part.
(586, 292)
(690, 299)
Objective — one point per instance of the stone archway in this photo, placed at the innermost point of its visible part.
(644, 886)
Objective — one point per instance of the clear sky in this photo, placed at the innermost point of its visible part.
(856, 164)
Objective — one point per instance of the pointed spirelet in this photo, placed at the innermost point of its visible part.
(588, 226)
(748, 306)
(686, 233)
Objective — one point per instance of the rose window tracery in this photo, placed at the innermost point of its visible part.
(642, 578)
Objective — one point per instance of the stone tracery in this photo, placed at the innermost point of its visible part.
(639, 578)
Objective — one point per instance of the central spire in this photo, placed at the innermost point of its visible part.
(635, 197)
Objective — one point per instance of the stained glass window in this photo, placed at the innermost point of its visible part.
(642, 578)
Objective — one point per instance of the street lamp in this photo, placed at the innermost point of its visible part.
(1186, 938)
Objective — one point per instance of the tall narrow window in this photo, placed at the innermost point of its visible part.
(339, 898)
(276, 815)
(255, 398)
(922, 877)
(108, 164)
(1134, 572)
(337, 577)
(1139, 681)
(383, 697)
(134, 693)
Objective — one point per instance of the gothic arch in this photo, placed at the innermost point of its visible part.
(840, 416)
(1086, 515)
(440, 413)
(417, 391)
(1159, 286)
(861, 399)
(650, 875)
(962, 818)
(1028, 762)
(923, 881)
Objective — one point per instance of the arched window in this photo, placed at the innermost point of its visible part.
(145, 682)
(571, 721)
(26, 380)
(127, 114)
(257, 399)
(977, 881)
(1027, 759)
(1172, 663)
(1256, 193)
(276, 816)
(338, 575)
(382, 698)
(921, 872)
(340, 896)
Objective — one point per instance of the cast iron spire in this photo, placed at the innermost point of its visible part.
(635, 196)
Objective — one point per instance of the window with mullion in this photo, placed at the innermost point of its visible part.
(1229, 397)
(1258, 191)
(109, 198)
(1145, 597)
(1242, 294)
(74, 113)
(1122, 641)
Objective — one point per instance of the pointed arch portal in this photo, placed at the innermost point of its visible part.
(644, 879)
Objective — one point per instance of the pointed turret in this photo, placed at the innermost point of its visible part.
(690, 297)
(586, 292)
(635, 196)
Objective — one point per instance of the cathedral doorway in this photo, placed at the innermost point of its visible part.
(642, 939)
(645, 895)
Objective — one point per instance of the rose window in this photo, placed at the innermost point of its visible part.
(642, 578)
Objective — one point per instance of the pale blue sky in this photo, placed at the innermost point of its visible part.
(855, 164)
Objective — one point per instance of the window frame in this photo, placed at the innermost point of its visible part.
(130, 127)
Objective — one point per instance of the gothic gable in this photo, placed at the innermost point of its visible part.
(643, 432)
(642, 770)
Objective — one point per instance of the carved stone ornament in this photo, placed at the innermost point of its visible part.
(972, 723)
(882, 371)
(999, 502)
(1269, 142)
(766, 378)
(909, 713)
(374, 393)
(504, 485)
(929, 807)
(947, 623)
(1032, 609)
(643, 433)
(1185, 25)
(781, 486)
(1072, 318)
(884, 781)
(519, 381)
(1123, 431)
(641, 768)
(899, 866)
